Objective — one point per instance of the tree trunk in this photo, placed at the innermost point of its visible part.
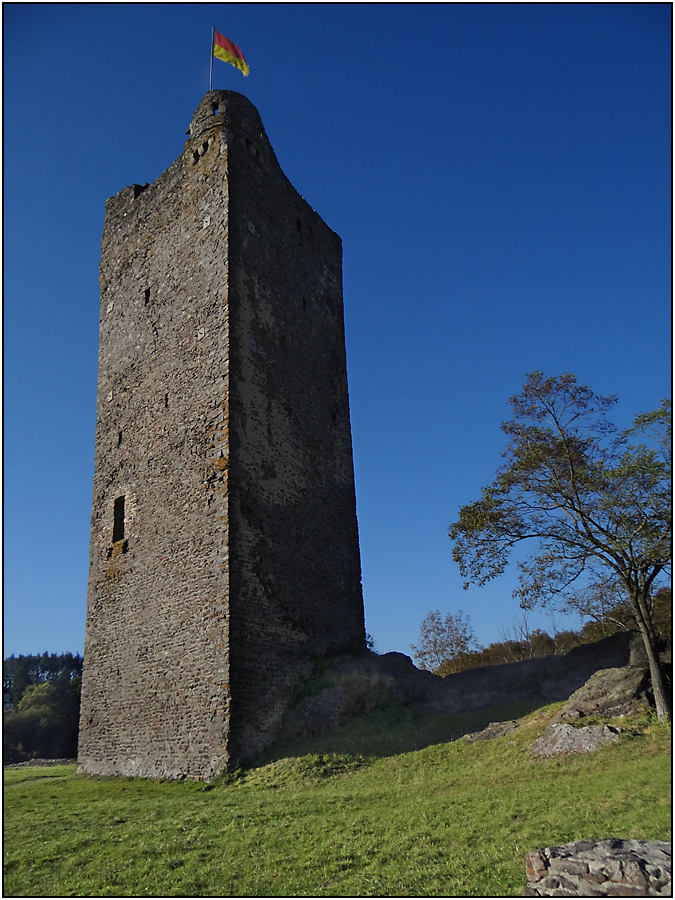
(661, 698)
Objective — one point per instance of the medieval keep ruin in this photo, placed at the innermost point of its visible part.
(224, 547)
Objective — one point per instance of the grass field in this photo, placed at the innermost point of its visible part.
(453, 819)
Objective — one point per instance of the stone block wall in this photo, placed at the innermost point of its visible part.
(224, 547)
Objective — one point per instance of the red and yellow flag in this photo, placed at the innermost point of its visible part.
(228, 52)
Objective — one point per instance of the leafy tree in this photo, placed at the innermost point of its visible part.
(590, 501)
(45, 723)
(443, 639)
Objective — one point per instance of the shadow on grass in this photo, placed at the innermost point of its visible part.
(391, 731)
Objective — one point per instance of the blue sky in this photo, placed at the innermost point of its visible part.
(500, 178)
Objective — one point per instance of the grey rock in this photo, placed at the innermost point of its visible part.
(41, 762)
(561, 739)
(609, 692)
(493, 730)
(610, 867)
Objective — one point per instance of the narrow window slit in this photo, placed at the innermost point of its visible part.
(118, 520)
(147, 296)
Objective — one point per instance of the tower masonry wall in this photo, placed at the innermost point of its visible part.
(224, 547)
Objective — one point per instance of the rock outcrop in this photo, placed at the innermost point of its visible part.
(610, 692)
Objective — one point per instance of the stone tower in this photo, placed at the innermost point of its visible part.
(224, 546)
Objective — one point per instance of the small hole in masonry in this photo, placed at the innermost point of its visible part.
(147, 296)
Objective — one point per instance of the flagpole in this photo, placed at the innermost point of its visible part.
(213, 34)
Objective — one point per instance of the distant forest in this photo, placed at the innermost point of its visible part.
(41, 706)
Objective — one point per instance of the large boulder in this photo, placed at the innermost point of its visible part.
(610, 692)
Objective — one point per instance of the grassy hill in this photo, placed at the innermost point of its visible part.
(451, 819)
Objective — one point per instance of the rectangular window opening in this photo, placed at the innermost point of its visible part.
(118, 520)
(147, 296)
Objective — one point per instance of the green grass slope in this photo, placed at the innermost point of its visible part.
(453, 819)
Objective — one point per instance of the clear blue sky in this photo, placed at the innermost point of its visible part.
(499, 175)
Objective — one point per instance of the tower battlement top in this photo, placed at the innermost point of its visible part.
(225, 109)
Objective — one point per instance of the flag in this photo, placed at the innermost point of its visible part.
(228, 52)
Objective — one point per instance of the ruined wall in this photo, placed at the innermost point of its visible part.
(223, 422)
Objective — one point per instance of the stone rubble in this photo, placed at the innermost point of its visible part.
(41, 762)
(611, 867)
